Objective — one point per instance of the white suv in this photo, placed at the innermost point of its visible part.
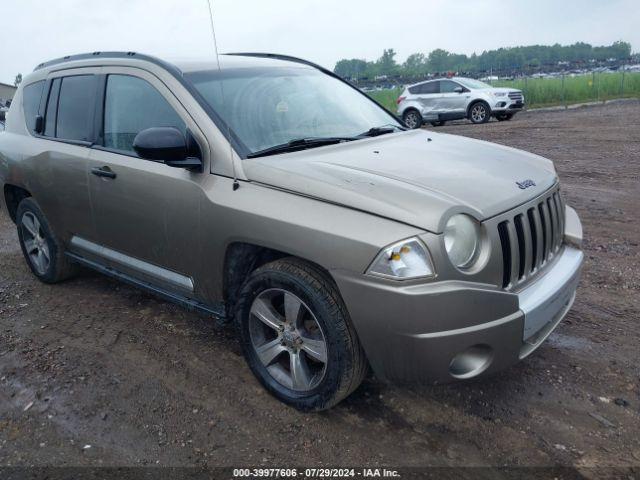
(437, 101)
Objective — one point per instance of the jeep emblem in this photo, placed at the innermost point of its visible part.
(526, 184)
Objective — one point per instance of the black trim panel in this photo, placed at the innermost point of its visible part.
(217, 311)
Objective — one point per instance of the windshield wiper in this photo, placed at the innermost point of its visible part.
(299, 144)
(381, 130)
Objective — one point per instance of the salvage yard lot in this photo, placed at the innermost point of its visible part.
(94, 362)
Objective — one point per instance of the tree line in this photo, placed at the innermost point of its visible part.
(513, 58)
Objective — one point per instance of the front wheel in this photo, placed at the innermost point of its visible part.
(412, 119)
(479, 112)
(501, 117)
(297, 337)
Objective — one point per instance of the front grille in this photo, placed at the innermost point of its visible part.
(516, 96)
(530, 238)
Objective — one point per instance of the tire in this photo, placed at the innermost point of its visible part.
(412, 118)
(501, 117)
(42, 250)
(479, 112)
(271, 354)
(439, 123)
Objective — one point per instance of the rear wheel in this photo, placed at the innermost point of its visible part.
(41, 248)
(297, 337)
(479, 112)
(412, 118)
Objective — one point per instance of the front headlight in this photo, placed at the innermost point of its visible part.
(498, 94)
(403, 260)
(461, 239)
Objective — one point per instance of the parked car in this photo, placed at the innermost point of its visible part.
(296, 208)
(440, 100)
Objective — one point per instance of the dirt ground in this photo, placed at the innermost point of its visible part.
(93, 372)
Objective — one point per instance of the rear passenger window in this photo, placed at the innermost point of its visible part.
(132, 105)
(76, 106)
(431, 87)
(423, 88)
(31, 102)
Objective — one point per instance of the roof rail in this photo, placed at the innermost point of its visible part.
(278, 56)
(107, 55)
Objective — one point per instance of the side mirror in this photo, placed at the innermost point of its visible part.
(165, 144)
(458, 89)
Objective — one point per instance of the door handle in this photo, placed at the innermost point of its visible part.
(103, 172)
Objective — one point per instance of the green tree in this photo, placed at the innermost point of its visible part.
(415, 64)
(352, 69)
(438, 60)
(386, 64)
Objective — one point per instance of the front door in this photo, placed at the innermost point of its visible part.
(146, 213)
(452, 102)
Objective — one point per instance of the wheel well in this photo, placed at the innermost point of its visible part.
(13, 196)
(243, 258)
(409, 109)
(477, 101)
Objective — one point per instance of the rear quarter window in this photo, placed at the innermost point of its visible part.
(31, 102)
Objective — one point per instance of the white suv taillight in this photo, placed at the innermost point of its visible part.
(400, 99)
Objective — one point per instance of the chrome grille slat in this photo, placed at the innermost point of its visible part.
(528, 245)
(530, 237)
(546, 228)
(558, 230)
(560, 216)
(539, 238)
(552, 227)
(515, 253)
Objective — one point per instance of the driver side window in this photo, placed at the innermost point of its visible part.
(447, 86)
(132, 105)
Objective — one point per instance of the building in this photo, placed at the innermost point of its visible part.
(6, 92)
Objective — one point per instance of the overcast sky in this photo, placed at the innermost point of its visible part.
(322, 31)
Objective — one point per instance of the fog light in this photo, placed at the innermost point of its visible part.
(473, 361)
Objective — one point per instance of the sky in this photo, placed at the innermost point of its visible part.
(33, 31)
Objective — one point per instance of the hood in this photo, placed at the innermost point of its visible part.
(500, 89)
(414, 177)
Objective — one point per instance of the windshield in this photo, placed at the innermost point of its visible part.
(471, 83)
(265, 107)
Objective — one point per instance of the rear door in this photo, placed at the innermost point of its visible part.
(429, 95)
(59, 172)
(147, 213)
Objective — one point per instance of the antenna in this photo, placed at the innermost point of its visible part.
(236, 184)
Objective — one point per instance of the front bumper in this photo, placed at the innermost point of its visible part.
(505, 104)
(443, 331)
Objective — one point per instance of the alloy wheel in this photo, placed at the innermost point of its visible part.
(35, 243)
(411, 120)
(478, 113)
(288, 340)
